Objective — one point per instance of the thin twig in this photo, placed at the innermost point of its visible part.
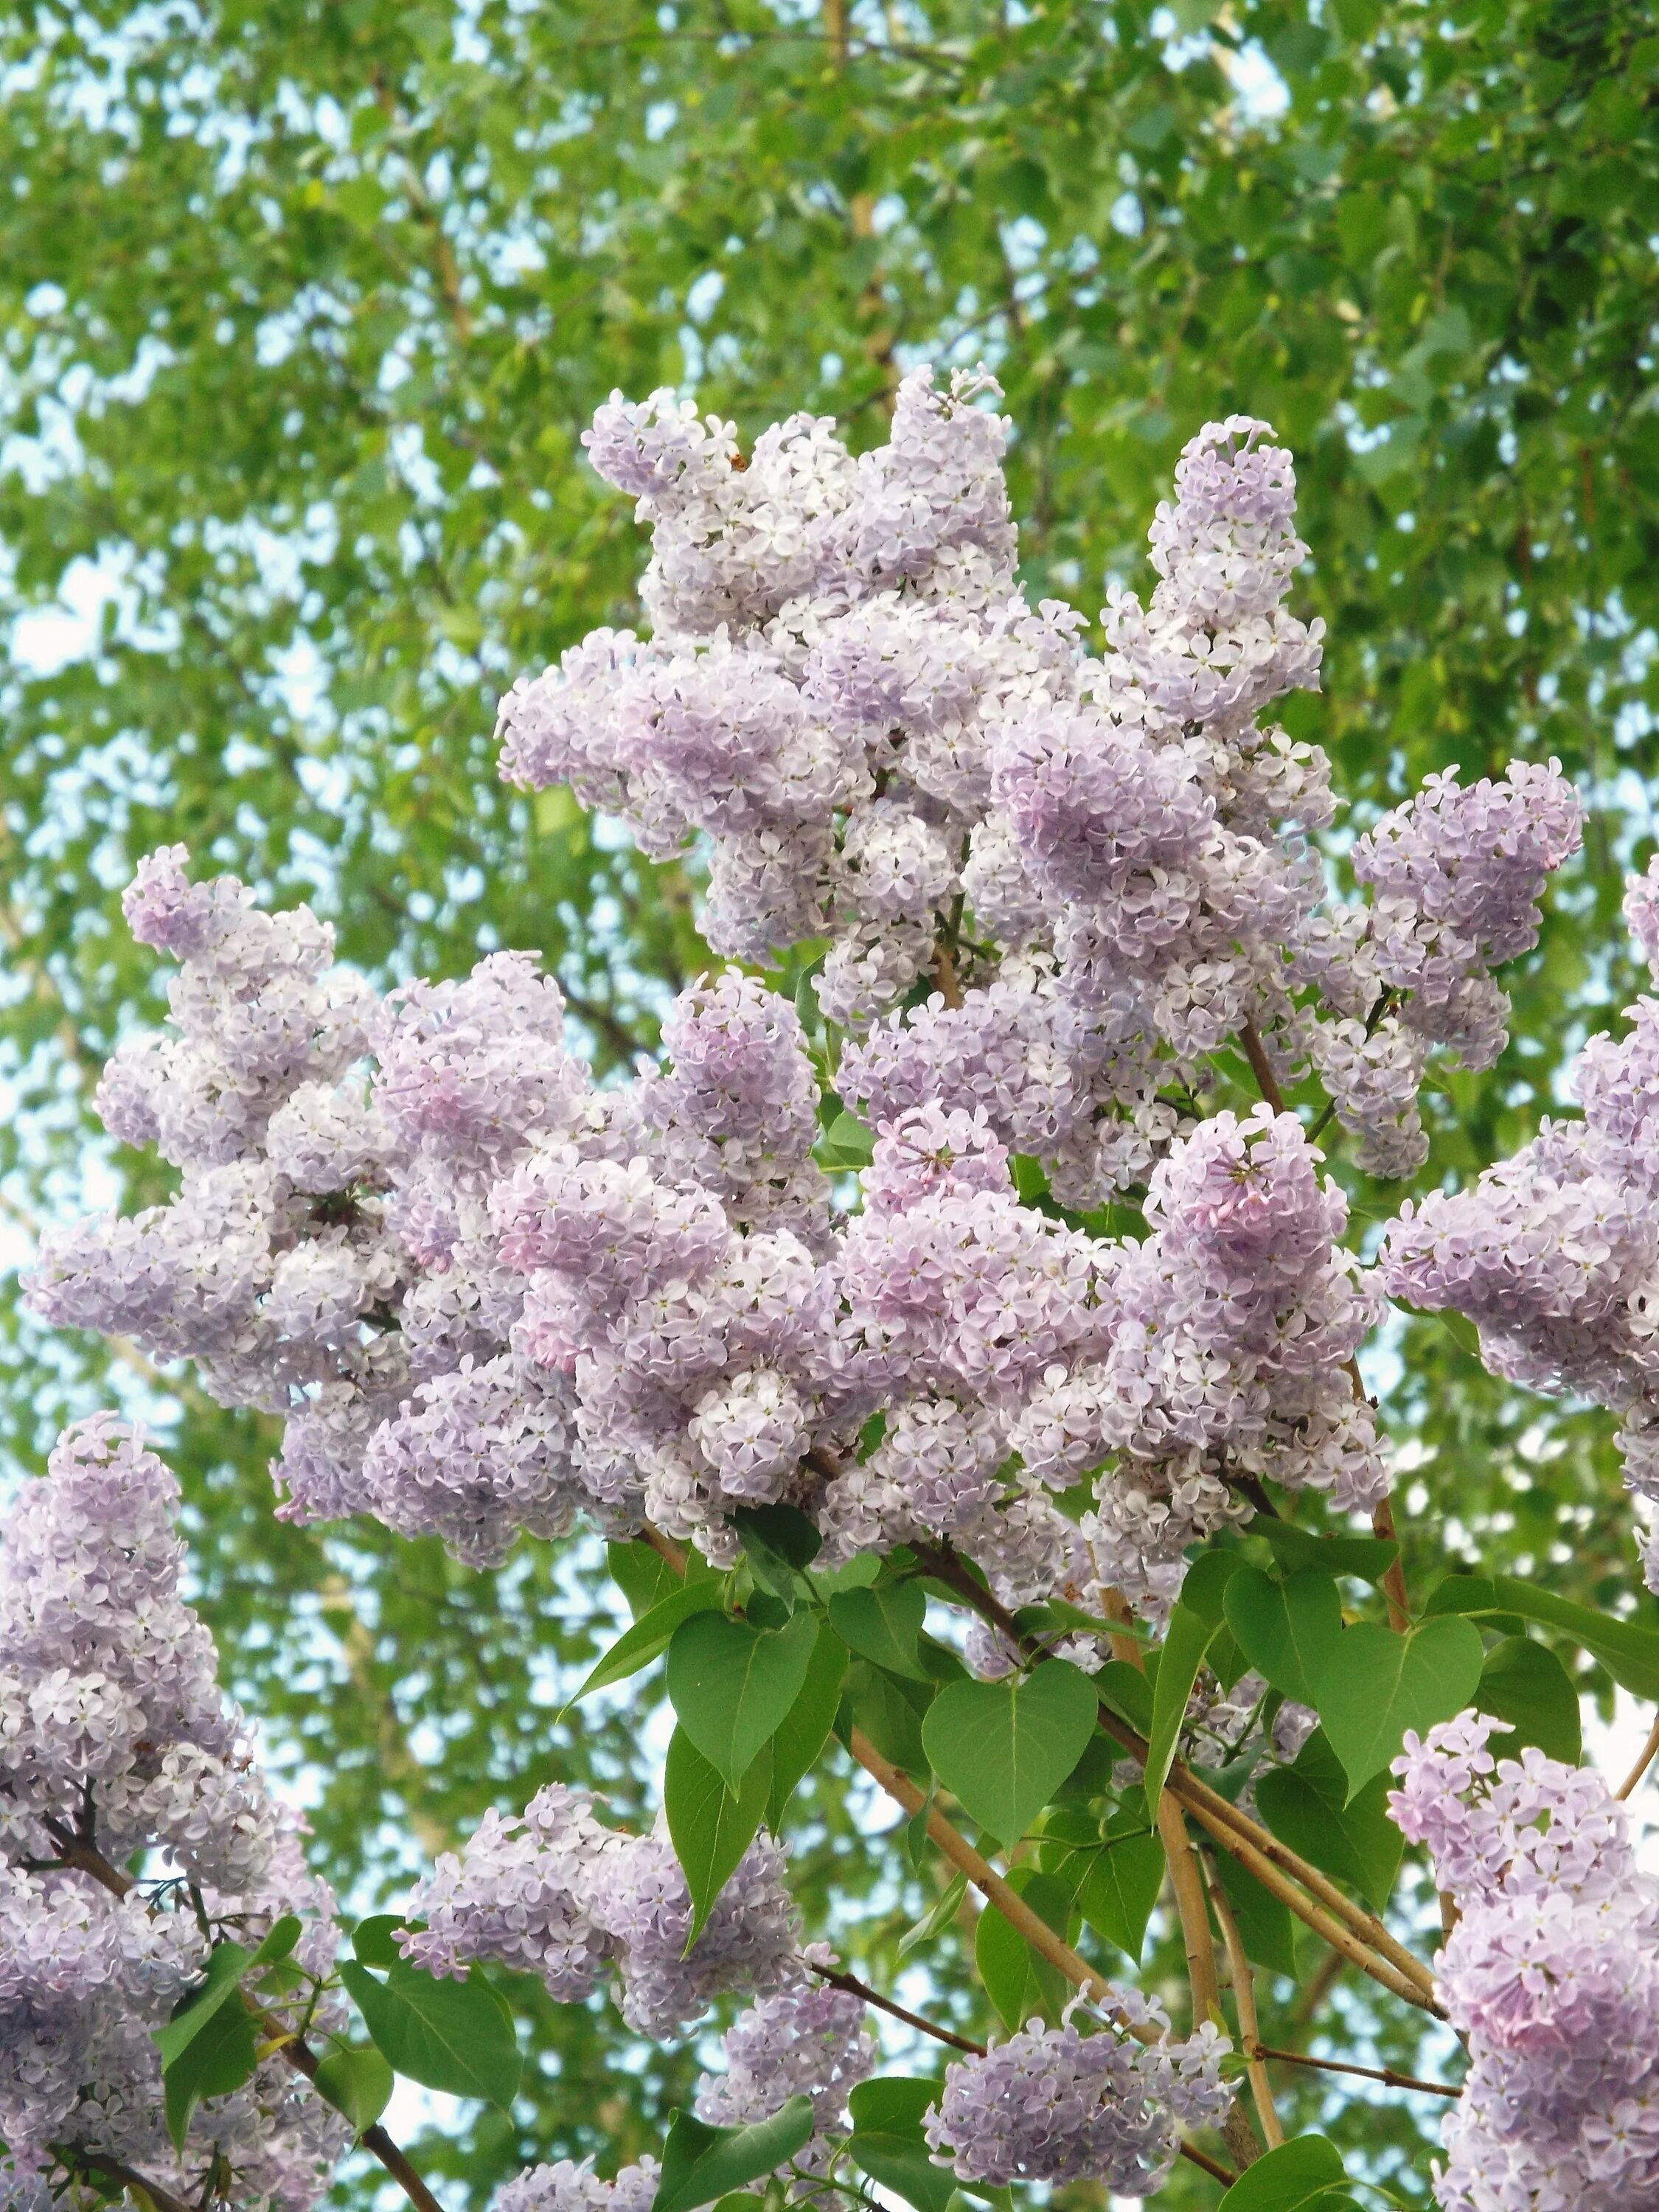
(1250, 2024)
(855, 1987)
(1649, 1753)
(1338, 2066)
(1256, 1052)
(129, 2177)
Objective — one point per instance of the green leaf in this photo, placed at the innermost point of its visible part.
(1366, 1558)
(1307, 1806)
(644, 1576)
(219, 2057)
(1117, 1893)
(710, 1826)
(1184, 1646)
(453, 2036)
(371, 1940)
(1296, 2174)
(279, 1942)
(1524, 1683)
(936, 1921)
(888, 2143)
(1628, 1651)
(358, 2082)
(1125, 1688)
(226, 1964)
(731, 1685)
(846, 1143)
(1004, 1748)
(1287, 1631)
(1205, 1589)
(779, 1544)
(1376, 1685)
(898, 2103)
(649, 1637)
(882, 1625)
(701, 2163)
(890, 1710)
(905, 2167)
(1263, 1920)
(1018, 1982)
(805, 1728)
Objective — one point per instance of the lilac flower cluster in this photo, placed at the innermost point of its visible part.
(1552, 1974)
(488, 1295)
(1052, 2104)
(566, 2186)
(555, 1893)
(1228, 1334)
(847, 695)
(114, 1739)
(1552, 1252)
(806, 2039)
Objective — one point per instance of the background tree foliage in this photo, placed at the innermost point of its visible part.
(304, 307)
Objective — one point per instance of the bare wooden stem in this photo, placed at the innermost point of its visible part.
(1394, 1583)
(1368, 2073)
(1256, 1052)
(1250, 2024)
(839, 1980)
(1649, 1753)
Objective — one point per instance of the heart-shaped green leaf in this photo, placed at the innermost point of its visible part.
(1263, 1922)
(1628, 1650)
(1376, 1685)
(1307, 1806)
(1120, 1889)
(650, 1636)
(358, 2082)
(882, 1625)
(1287, 1631)
(731, 1685)
(805, 1728)
(1524, 1683)
(456, 2036)
(1004, 1748)
(1018, 1982)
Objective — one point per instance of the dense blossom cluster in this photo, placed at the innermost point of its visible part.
(487, 1294)
(807, 2039)
(557, 1894)
(1551, 1973)
(1052, 2104)
(115, 1740)
(566, 2186)
(1553, 1253)
(846, 693)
